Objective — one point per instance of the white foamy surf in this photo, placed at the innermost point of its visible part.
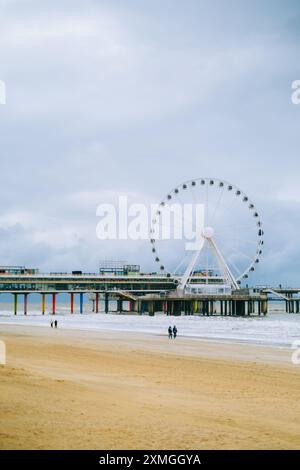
(276, 329)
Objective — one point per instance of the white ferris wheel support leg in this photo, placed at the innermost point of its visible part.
(222, 264)
(189, 270)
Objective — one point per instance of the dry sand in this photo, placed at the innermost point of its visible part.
(64, 389)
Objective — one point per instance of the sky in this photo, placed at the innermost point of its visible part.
(110, 98)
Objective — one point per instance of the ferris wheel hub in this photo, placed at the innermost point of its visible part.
(208, 232)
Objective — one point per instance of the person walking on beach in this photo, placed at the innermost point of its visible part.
(170, 332)
(174, 331)
(51, 324)
(55, 323)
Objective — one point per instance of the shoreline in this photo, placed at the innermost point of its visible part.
(159, 343)
(274, 331)
(160, 335)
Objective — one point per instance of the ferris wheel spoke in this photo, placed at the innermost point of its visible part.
(233, 236)
(234, 266)
(217, 205)
(237, 226)
(244, 255)
(185, 218)
(240, 253)
(250, 242)
(172, 226)
(181, 263)
(193, 195)
(229, 209)
(178, 198)
(182, 204)
(236, 199)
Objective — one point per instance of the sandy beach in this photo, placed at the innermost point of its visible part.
(73, 389)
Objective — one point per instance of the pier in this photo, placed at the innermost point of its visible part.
(207, 305)
(290, 295)
(143, 294)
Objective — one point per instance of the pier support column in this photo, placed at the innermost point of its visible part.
(106, 301)
(177, 307)
(25, 303)
(15, 304)
(120, 305)
(43, 304)
(240, 307)
(81, 302)
(53, 303)
(151, 308)
(97, 302)
(72, 302)
(265, 307)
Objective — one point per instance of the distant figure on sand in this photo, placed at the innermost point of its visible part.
(51, 324)
(55, 323)
(170, 332)
(174, 331)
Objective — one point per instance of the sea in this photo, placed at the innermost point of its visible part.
(277, 328)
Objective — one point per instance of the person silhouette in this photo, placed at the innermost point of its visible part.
(170, 332)
(174, 331)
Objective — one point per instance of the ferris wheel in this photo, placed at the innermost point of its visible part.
(208, 230)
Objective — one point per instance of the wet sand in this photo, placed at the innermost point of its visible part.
(72, 389)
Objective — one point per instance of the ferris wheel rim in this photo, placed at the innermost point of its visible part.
(192, 183)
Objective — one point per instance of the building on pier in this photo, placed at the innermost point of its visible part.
(15, 270)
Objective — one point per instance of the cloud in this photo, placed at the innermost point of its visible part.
(108, 98)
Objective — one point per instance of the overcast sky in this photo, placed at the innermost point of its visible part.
(129, 97)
